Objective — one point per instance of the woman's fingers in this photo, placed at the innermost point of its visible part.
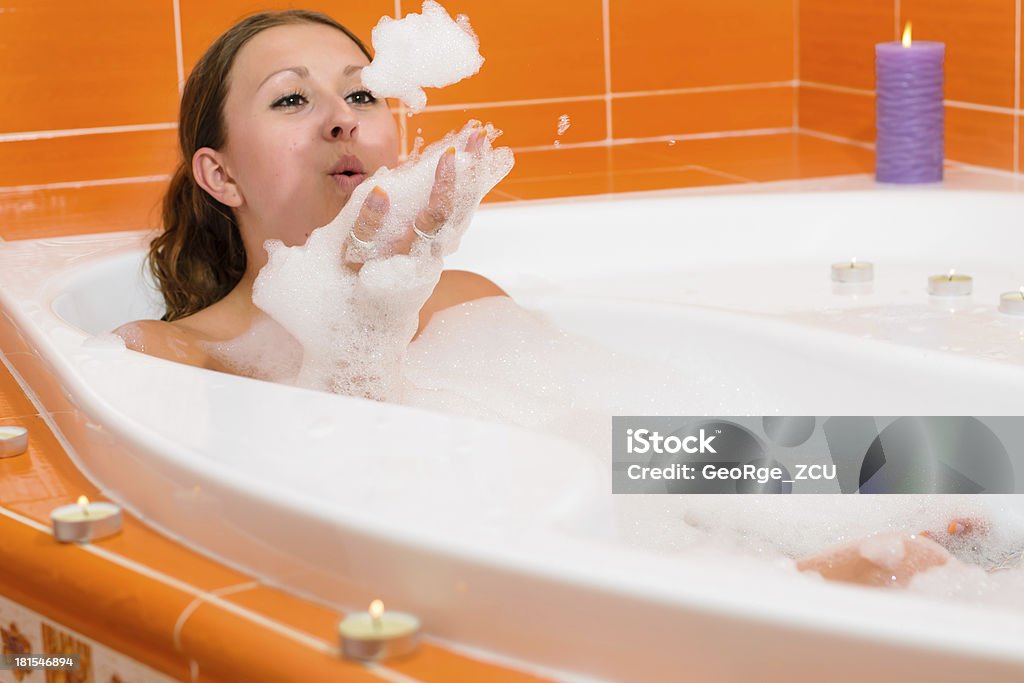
(442, 196)
(368, 222)
(881, 560)
(476, 140)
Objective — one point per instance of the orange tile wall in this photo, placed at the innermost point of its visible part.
(983, 82)
(87, 129)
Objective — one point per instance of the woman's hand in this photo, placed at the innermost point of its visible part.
(881, 560)
(428, 221)
(892, 558)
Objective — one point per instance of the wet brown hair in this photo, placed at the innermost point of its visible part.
(199, 257)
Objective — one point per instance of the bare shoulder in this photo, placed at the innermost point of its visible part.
(456, 287)
(467, 285)
(163, 340)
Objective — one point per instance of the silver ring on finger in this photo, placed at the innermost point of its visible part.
(424, 235)
(363, 249)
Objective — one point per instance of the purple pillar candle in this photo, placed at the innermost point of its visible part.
(909, 113)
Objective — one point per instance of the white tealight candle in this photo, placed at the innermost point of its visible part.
(375, 635)
(950, 285)
(13, 441)
(853, 271)
(1012, 302)
(85, 521)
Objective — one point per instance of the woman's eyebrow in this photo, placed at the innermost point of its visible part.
(304, 72)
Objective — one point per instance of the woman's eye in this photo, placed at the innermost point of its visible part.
(290, 97)
(361, 97)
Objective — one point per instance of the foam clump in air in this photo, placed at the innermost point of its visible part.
(421, 50)
(353, 328)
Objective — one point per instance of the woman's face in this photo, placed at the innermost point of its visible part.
(296, 113)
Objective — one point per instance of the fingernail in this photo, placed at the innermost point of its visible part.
(378, 197)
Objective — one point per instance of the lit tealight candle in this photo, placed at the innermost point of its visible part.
(1012, 302)
(950, 285)
(85, 521)
(13, 441)
(376, 634)
(853, 271)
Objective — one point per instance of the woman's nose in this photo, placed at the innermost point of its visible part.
(343, 122)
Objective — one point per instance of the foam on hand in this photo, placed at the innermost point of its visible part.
(418, 51)
(354, 328)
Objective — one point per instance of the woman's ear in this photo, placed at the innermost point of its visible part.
(211, 174)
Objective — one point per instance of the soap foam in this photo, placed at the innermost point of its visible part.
(336, 330)
(421, 50)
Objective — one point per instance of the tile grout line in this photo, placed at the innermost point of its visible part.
(75, 184)
(1016, 86)
(197, 601)
(606, 32)
(179, 58)
(896, 11)
(956, 104)
(69, 132)
(661, 138)
(836, 138)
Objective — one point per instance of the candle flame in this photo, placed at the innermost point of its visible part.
(906, 35)
(1022, 292)
(376, 609)
(83, 501)
(853, 261)
(951, 271)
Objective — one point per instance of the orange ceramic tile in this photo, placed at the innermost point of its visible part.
(40, 473)
(80, 65)
(559, 162)
(42, 477)
(203, 22)
(230, 647)
(837, 40)
(88, 157)
(13, 401)
(522, 126)
(979, 39)
(124, 610)
(979, 137)
(80, 210)
(289, 610)
(657, 45)
(532, 50)
(770, 157)
(846, 114)
(601, 183)
(703, 112)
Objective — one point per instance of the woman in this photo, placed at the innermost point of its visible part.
(276, 131)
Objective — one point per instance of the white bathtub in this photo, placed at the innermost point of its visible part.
(345, 500)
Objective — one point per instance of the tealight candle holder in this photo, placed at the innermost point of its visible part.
(1012, 303)
(13, 441)
(84, 521)
(950, 285)
(853, 271)
(375, 635)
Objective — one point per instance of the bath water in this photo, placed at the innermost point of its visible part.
(331, 329)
